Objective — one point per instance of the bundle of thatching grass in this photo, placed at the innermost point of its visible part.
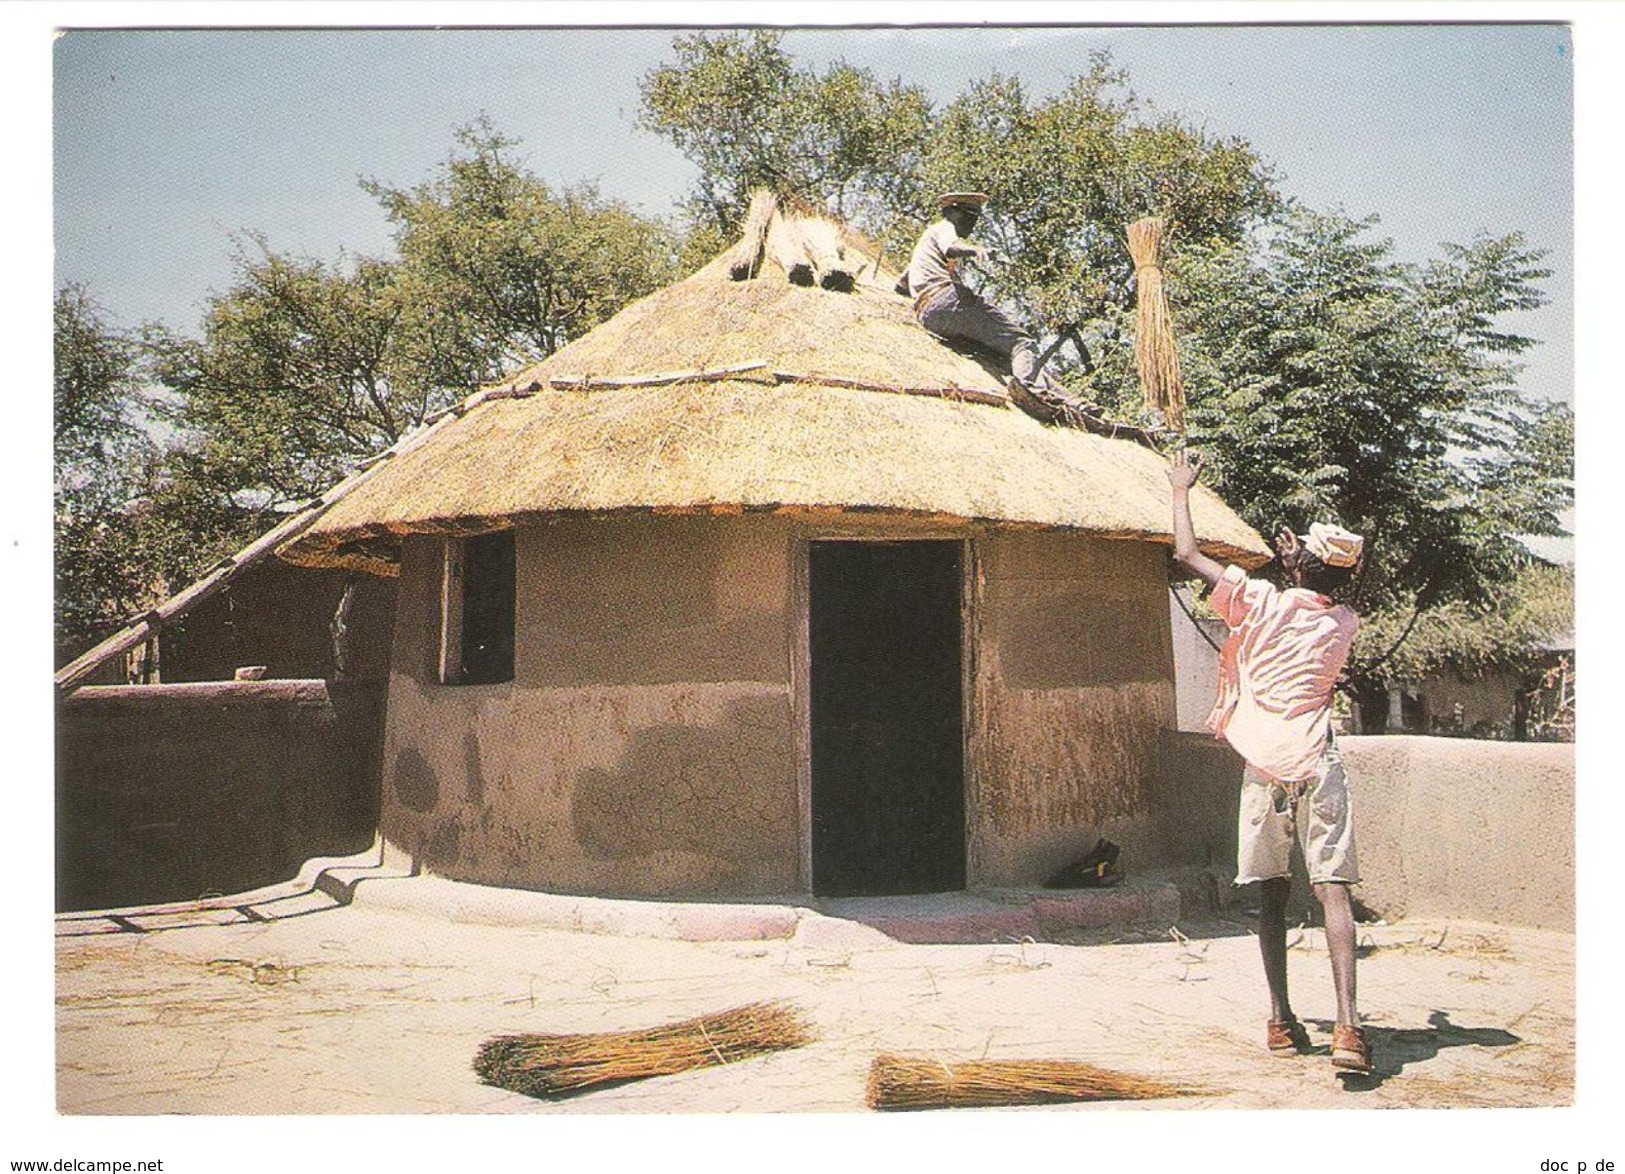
(913, 1082)
(745, 258)
(1155, 357)
(556, 1065)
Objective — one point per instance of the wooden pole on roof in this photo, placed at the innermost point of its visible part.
(71, 675)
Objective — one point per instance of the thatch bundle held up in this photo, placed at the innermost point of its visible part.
(1155, 356)
(912, 1082)
(558, 1065)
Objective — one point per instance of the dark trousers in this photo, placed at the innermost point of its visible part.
(958, 312)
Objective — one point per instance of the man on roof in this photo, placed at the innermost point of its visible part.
(1277, 672)
(950, 309)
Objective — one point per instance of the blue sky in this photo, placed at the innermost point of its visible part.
(168, 142)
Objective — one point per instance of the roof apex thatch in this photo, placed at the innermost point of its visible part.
(766, 380)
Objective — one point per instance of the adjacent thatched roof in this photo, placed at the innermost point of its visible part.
(785, 375)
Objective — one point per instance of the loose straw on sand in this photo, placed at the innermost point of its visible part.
(555, 1065)
(911, 1082)
(1155, 356)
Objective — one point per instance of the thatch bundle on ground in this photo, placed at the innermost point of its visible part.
(916, 1082)
(557, 1065)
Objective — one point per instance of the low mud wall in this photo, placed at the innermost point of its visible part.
(170, 792)
(1447, 827)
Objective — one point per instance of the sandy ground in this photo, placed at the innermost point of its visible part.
(380, 1010)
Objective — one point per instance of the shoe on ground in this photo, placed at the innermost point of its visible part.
(1351, 1051)
(1286, 1037)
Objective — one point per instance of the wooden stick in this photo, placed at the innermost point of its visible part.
(969, 394)
(72, 674)
(759, 372)
(661, 379)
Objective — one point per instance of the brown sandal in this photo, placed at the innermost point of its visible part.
(1286, 1037)
(1351, 1051)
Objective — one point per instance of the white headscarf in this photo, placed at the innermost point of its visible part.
(1333, 545)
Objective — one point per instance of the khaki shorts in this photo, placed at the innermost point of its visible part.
(1315, 811)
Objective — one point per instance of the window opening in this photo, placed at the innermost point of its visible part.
(477, 602)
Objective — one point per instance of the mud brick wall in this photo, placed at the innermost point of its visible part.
(1463, 828)
(1073, 686)
(278, 615)
(645, 746)
(1446, 827)
(169, 792)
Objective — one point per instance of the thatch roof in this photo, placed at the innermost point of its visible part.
(784, 376)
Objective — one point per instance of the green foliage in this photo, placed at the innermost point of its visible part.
(1065, 177)
(100, 451)
(736, 105)
(1066, 174)
(1531, 614)
(498, 271)
(95, 394)
(294, 379)
(1329, 381)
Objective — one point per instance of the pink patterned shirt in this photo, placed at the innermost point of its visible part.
(1277, 671)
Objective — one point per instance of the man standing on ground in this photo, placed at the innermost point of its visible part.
(1277, 672)
(947, 307)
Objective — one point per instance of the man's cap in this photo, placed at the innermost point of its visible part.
(1333, 545)
(961, 199)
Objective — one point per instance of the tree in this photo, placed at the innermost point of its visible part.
(498, 271)
(736, 105)
(1534, 611)
(303, 368)
(100, 451)
(293, 380)
(1065, 174)
(1523, 634)
(1326, 379)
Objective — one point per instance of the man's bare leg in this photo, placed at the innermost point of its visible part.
(1272, 943)
(1339, 909)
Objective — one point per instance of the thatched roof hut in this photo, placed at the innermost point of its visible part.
(718, 394)
(759, 588)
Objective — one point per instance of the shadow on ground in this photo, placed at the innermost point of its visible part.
(1394, 1047)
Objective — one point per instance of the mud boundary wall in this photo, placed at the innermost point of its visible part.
(1446, 827)
(172, 792)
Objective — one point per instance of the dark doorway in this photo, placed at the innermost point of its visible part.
(888, 791)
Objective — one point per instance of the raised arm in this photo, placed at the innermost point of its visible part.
(1182, 474)
(956, 246)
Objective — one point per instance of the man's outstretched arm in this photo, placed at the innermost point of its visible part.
(1182, 475)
